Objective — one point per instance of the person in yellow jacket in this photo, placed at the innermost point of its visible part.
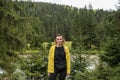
(58, 59)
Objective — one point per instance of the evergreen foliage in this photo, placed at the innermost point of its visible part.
(25, 25)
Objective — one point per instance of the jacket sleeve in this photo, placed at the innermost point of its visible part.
(49, 59)
(68, 60)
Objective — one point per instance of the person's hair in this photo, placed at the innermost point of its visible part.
(62, 38)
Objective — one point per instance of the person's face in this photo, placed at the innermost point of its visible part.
(59, 40)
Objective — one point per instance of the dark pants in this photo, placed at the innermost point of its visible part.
(62, 74)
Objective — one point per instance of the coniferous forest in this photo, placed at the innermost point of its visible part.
(28, 29)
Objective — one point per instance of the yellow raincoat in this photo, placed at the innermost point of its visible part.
(51, 59)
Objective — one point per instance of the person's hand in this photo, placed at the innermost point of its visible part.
(49, 74)
(67, 76)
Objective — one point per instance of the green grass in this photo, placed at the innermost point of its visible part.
(69, 45)
(30, 51)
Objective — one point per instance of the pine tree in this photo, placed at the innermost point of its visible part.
(14, 28)
(112, 50)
